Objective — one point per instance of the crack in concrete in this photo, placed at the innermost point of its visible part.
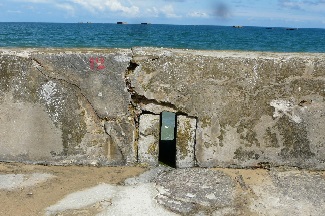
(136, 110)
(136, 98)
(112, 140)
(133, 108)
(39, 67)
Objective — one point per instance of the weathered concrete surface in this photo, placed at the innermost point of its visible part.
(185, 142)
(252, 108)
(17, 181)
(54, 105)
(83, 106)
(290, 193)
(148, 145)
(135, 197)
(189, 191)
(69, 190)
(104, 87)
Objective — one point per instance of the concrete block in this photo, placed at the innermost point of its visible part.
(148, 146)
(252, 107)
(54, 103)
(185, 141)
(81, 106)
(122, 147)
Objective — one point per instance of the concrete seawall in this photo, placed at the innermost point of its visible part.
(96, 106)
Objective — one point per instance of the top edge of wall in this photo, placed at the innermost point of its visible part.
(160, 51)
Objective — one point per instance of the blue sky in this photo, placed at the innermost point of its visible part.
(286, 13)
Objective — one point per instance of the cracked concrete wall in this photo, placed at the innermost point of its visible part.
(65, 106)
(83, 105)
(148, 145)
(253, 109)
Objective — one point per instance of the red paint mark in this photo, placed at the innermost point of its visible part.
(97, 63)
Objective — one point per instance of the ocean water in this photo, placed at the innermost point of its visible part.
(168, 123)
(172, 36)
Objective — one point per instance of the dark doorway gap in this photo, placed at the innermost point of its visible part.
(167, 143)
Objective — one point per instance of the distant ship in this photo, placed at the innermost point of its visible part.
(120, 23)
(237, 26)
(145, 23)
(292, 29)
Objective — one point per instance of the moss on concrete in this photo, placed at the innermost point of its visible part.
(270, 139)
(296, 144)
(183, 138)
(6, 73)
(153, 149)
(243, 155)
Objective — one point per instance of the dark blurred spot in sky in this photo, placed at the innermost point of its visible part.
(222, 10)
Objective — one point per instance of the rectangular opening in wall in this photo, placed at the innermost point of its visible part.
(167, 141)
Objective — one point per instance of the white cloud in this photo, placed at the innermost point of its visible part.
(115, 5)
(29, 7)
(67, 7)
(35, 1)
(110, 5)
(182, 11)
(278, 16)
(153, 12)
(309, 6)
(169, 12)
(14, 11)
(174, 0)
(124, 7)
(197, 14)
(291, 4)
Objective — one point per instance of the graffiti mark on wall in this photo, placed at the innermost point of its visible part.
(97, 63)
